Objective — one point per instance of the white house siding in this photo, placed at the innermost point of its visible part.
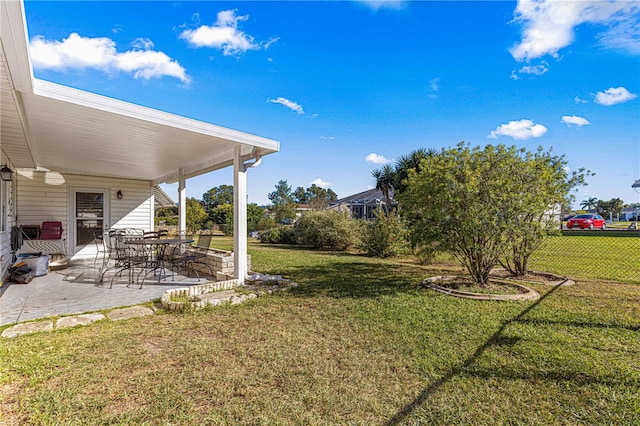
(45, 196)
(5, 234)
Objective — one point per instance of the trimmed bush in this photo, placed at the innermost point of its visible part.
(281, 234)
(327, 229)
(385, 235)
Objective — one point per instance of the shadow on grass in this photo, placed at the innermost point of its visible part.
(342, 274)
(356, 279)
(496, 339)
(579, 324)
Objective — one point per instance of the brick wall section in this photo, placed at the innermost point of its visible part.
(221, 263)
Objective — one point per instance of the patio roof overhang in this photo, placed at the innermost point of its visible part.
(50, 126)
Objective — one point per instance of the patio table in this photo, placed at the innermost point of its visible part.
(157, 253)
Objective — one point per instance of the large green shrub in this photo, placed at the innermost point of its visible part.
(280, 234)
(385, 235)
(327, 229)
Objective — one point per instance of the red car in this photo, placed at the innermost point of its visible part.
(584, 221)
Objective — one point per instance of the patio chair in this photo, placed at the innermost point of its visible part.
(101, 251)
(182, 257)
(123, 256)
(150, 235)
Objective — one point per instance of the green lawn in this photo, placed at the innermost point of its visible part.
(590, 257)
(358, 342)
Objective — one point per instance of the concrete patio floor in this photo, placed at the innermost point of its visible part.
(75, 290)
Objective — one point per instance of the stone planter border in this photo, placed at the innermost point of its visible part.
(200, 296)
(556, 279)
(528, 293)
(193, 292)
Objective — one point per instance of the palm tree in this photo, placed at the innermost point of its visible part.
(408, 162)
(589, 203)
(385, 178)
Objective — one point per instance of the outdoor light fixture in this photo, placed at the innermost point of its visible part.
(5, 173)
(119, 194)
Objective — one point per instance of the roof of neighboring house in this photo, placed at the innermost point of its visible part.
(370, 196)
(55, 127)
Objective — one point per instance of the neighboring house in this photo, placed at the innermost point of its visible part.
(363, 204)
(92, 162)
(552, 218)
(301, 209)
(629, 213)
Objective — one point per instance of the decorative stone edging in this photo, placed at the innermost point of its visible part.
(557, 279)
(528, 293)
(75, 320)
(200, 296)
(192, 293)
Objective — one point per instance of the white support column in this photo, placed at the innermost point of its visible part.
(182, 202)
(152, 200)
(240, 268)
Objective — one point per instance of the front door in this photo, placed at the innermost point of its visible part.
(90, 214)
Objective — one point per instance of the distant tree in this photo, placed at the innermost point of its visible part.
(408, 162)
(610, 208)
(166, 216)
(167, 211)
(300, 196)
(196, 215)
(393, 178)
(255, 216)
(283, 206)
(385, 179)
(589, 203)
(319, 198)
(215, 197)
(223, 215)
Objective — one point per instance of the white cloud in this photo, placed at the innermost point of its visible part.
(225, 35)
(623, 35)
(580, 101)
(522, 129)
(100, 53)
(384, 4)
(293, 106)
(328, 138)
(376, 159)
(535, 69)
(614, 95)
(434, 84)
(322, 184)
(142, 43)
(574, 120)
(548, 26)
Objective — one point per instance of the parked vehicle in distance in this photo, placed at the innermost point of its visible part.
(584, 221)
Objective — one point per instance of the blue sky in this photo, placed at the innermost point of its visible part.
(346, 86)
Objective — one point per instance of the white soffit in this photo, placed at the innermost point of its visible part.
(73, 131)
(79, 132)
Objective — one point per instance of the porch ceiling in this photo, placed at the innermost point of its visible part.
(67, 130)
